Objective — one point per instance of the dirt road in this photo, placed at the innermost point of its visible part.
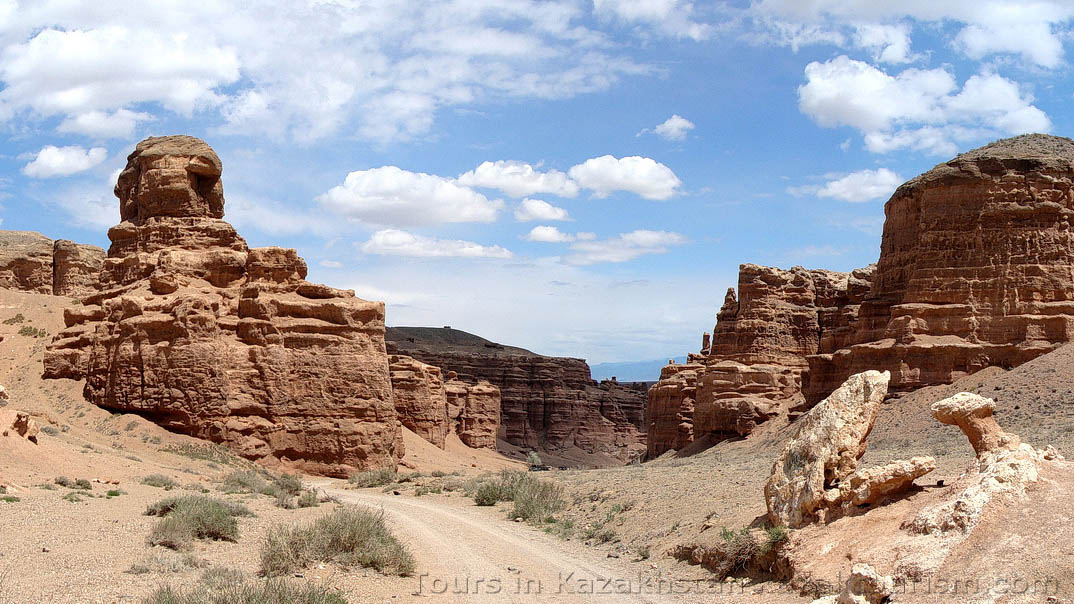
(467, 554)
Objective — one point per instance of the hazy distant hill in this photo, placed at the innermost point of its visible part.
(631, 371)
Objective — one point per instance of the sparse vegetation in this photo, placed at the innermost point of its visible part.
(32, 332)
(533, 459)
(210, 452)
(535, 500)
(73, 497)
(373, 478)
(348, 536)
(222, 586)
(189, 517)
(15, 320)
(308, 499)
(165, 564)
(113, 493)
(80, 484)
(160, 481)
(50, 430)
(9, 499)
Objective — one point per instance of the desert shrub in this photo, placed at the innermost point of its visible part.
(288, 483)
(285, 500)
(373, 478)
(189, 517)
(230, 587)
(32, 332)
(15, 320)
(438, 474)
(777, 535)
(83, 485)
(113, 493)
(244, 481)
(72, 497)
(489, 493)
(418, 492)
(533, 459)
(160, 481)
(210, 452)
(9, 499)
(348, 536)
(50, 430)
(64, 481)
(308, 499)
(537, 500)
(643, 552)
(167, 564)
(166, 506)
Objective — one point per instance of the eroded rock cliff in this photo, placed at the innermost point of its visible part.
(547, 402)
(32, 262)
(204, 335)
(974, 271)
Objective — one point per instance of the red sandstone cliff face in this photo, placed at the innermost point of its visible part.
(974, 271)
(752, 367)
(547, 402)
(206, 336)
(32, 262)
(474, 411)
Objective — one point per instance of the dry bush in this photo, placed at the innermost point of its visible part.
(220, 586)
(373, 478)
(348, 536)
(189, 517)
(160, 481)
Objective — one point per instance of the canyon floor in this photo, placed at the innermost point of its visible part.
(621, 523)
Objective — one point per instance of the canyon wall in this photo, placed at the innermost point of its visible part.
(974, 271)
(547, 402)
(32, 262)
(206, 336)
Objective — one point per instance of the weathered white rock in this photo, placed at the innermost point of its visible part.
(816, 477)
(864, 586)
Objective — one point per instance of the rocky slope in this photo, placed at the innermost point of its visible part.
(206, 336)
(32, 262)
(974, 272)
(547, 402)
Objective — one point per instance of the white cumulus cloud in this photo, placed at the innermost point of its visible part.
(921, 109)
(551, 234)
(394, 242)
(519, 179)
(101, 124)
(864, 185)
(391, 196)
(641, 175)
(674, 128)
(52, 161)
(626, 246)
(537, 209)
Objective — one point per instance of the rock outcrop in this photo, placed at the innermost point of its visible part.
(752, 367)
(974, 269)
(206, 336)
(672, 402)
(433, 407)
(474, 410)
(864, 586)
(32, 262)
(816, 477)
(547, 402)
(1004, 465)
(18, 423)
(974, 272)
(420, 398)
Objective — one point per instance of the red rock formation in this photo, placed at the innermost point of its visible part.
(32, 262)
(475, 410)
(757, 354)
(420, 398)
(196, 331)
(547, 402)
(974, 269)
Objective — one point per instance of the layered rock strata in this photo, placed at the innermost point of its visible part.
(32, 262)
(816, 477)
(974, 271)
(547, 402)
(752, 367)
(432, 408)
(206, 336)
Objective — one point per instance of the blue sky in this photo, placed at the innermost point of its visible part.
(578, 177)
